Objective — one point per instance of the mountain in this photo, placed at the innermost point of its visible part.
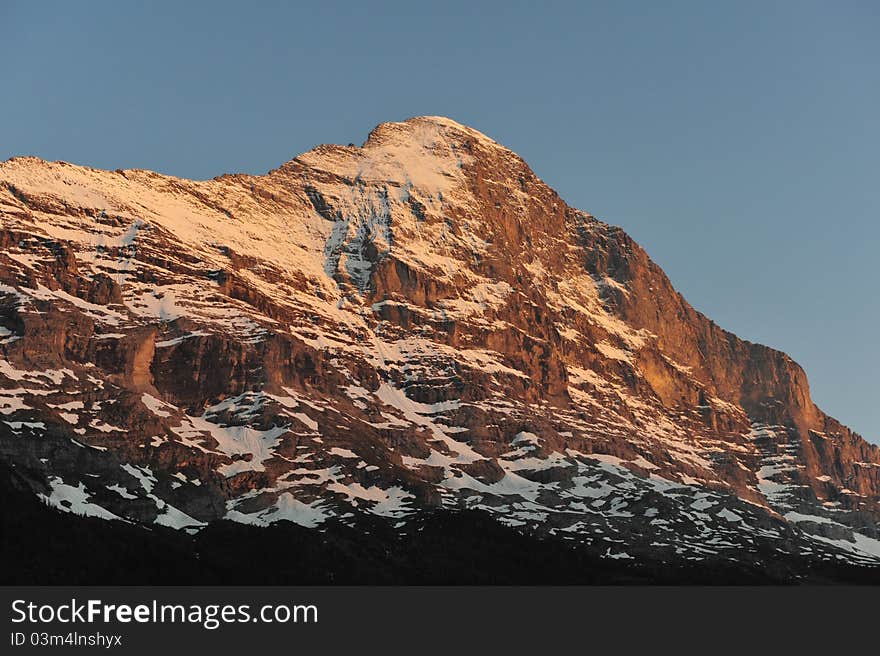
(389, 338)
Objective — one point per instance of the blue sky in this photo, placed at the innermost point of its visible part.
(737, 142)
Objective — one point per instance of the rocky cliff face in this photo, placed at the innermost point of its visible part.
(378, 331)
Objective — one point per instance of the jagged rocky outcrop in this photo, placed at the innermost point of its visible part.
(418, 323)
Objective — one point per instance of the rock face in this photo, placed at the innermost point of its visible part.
(386, 330)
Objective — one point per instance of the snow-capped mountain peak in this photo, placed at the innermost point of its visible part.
(376, 331)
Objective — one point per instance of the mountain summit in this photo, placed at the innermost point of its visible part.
(377, 334)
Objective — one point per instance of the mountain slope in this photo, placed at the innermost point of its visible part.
(386, 330)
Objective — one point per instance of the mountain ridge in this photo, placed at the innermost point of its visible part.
(431, 325)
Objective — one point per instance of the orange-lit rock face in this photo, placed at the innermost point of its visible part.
(414, 323)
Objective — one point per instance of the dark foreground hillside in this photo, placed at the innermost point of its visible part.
(42, 546)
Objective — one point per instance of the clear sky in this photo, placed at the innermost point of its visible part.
(737, 142)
